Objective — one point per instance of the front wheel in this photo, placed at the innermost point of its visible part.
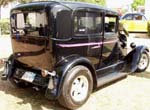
(143, 63)
(77, 86)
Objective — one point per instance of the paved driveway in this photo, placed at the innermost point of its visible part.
(139, 41)
(5, 46)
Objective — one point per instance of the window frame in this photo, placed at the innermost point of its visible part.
(127, 15)
(98, 12)
(23, 13)
(143, 17)
(116, 25)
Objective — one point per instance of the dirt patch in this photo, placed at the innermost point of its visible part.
(13, 98)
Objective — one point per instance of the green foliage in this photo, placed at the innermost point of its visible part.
(136, 3)
(24, 1)
(5, 2)
(99, 2)
(5, 26)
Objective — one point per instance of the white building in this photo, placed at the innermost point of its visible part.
(147, 9)
(5, 10)
(120, 4)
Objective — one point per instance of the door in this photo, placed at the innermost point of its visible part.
(140, 23)
(135, 22)
(110, 45)
(128, 22)
(88, 32)
(87, 36)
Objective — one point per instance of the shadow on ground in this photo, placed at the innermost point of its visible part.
(145, 74)
(29, 99)
(36, 99)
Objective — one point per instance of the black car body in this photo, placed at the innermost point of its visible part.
(68, 46)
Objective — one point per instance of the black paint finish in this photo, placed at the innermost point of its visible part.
(60, 47)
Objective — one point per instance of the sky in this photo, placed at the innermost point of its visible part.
(118, 3)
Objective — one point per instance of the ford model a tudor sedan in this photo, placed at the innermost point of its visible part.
(69, 49)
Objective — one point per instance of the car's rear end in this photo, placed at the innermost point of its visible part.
(32, 59)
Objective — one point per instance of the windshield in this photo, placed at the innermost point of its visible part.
(32, 23)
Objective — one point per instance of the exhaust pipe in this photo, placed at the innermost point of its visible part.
(44, 73)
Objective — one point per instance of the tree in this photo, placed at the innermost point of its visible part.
(99, 2)
(5, 2)
(136, 3)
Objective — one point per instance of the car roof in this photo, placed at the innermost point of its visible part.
(70, 5)
(136, 13)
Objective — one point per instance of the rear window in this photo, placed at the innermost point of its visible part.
(32, 23)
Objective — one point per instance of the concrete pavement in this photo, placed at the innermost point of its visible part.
(5, 46)
(138, 41)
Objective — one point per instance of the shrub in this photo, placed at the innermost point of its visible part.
(5, 26)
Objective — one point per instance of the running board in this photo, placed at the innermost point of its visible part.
(109, 78)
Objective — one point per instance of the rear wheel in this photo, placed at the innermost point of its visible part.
(77, 86)
(144, 62)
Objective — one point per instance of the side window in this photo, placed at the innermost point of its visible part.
(137, 17)
(128, 17)
(110, 24)
(87, 23)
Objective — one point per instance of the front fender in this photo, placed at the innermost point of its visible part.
(64, 66)
(132, 59)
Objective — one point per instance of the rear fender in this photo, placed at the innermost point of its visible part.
(64, 66)
(8, 68)
(132, 59)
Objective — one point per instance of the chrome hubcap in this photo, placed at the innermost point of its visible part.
(79, 88)
(143, 62)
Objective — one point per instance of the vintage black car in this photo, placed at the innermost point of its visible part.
(69, 49)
